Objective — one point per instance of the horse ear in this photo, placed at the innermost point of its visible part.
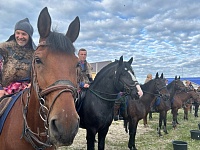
(161, 76)
(44, 23)
(179, 77)
(157, 75)
(130, 61)
(73, 30)
(120, 60)
(175, 77)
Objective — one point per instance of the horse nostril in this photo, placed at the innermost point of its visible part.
(53, 125)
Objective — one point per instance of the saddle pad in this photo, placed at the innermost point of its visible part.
(7, 109)
(3, 104)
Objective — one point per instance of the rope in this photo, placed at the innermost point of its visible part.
(106, 99)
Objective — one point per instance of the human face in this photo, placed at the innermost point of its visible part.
(82, 55)
(21, 37)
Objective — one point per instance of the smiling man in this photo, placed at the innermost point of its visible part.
(17, 53)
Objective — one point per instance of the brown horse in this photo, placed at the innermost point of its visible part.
(180, 99)
(44, 116)
(165, 105)
(138, 109)
(187, 106)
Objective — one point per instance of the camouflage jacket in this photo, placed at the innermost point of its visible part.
(16, 62)
(84, 71)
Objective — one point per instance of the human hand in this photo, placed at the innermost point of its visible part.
(140, 92)
(86, 85)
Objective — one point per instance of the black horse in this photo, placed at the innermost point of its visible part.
(97, 109)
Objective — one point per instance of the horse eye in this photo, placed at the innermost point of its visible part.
(38, 61)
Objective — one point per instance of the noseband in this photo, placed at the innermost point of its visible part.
(126, 88)
(61, 86)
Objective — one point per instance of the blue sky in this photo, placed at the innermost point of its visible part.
(161, 36)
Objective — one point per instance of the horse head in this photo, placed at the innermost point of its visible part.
(160, 86)
(125, 79)
(54, 80)
(178, 84)
(194, 95)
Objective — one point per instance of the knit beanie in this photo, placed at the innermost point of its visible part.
(25, 26)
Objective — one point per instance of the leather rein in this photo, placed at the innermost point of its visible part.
(44, 112)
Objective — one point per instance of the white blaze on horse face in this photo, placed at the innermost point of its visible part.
(132, 76)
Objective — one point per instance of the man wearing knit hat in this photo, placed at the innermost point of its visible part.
(17, 53)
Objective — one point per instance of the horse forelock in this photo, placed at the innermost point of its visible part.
(58, 41)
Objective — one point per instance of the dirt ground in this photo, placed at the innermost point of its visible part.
(115, 139)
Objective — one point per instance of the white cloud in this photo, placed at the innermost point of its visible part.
(162, 36)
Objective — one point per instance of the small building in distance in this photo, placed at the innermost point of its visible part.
(97, 66)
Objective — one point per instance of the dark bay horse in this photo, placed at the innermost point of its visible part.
(138, 109)
(187, 106)
(44, 115)
(97, 110)
(180, 99)
(165, 105)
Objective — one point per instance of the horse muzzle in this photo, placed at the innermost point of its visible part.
(62, 133)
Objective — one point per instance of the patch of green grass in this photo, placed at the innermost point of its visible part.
(151, 140)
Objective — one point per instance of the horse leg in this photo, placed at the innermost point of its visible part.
(150, 116)
(186, 113)
(126, 125)
(132, 133)
(101, 138)
(90, 137)
(165, 122)
(160, 124)
(145, 121)
(177, 117)
(174, 114)
(190, 108)
(196, 108)
(116, 111)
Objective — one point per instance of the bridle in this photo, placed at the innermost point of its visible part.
(117, 84)
(44, 112)
(158, 90)
(178, 87)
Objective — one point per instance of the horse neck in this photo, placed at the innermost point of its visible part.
(104, 82)
(184, 96)
(148, 93)
(172, 90)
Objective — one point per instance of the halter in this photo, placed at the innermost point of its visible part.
(61, 86)
(158, 94)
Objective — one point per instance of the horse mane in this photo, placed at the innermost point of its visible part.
(170, 84)
(104, 70)
(145, 86)
(58, 41)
